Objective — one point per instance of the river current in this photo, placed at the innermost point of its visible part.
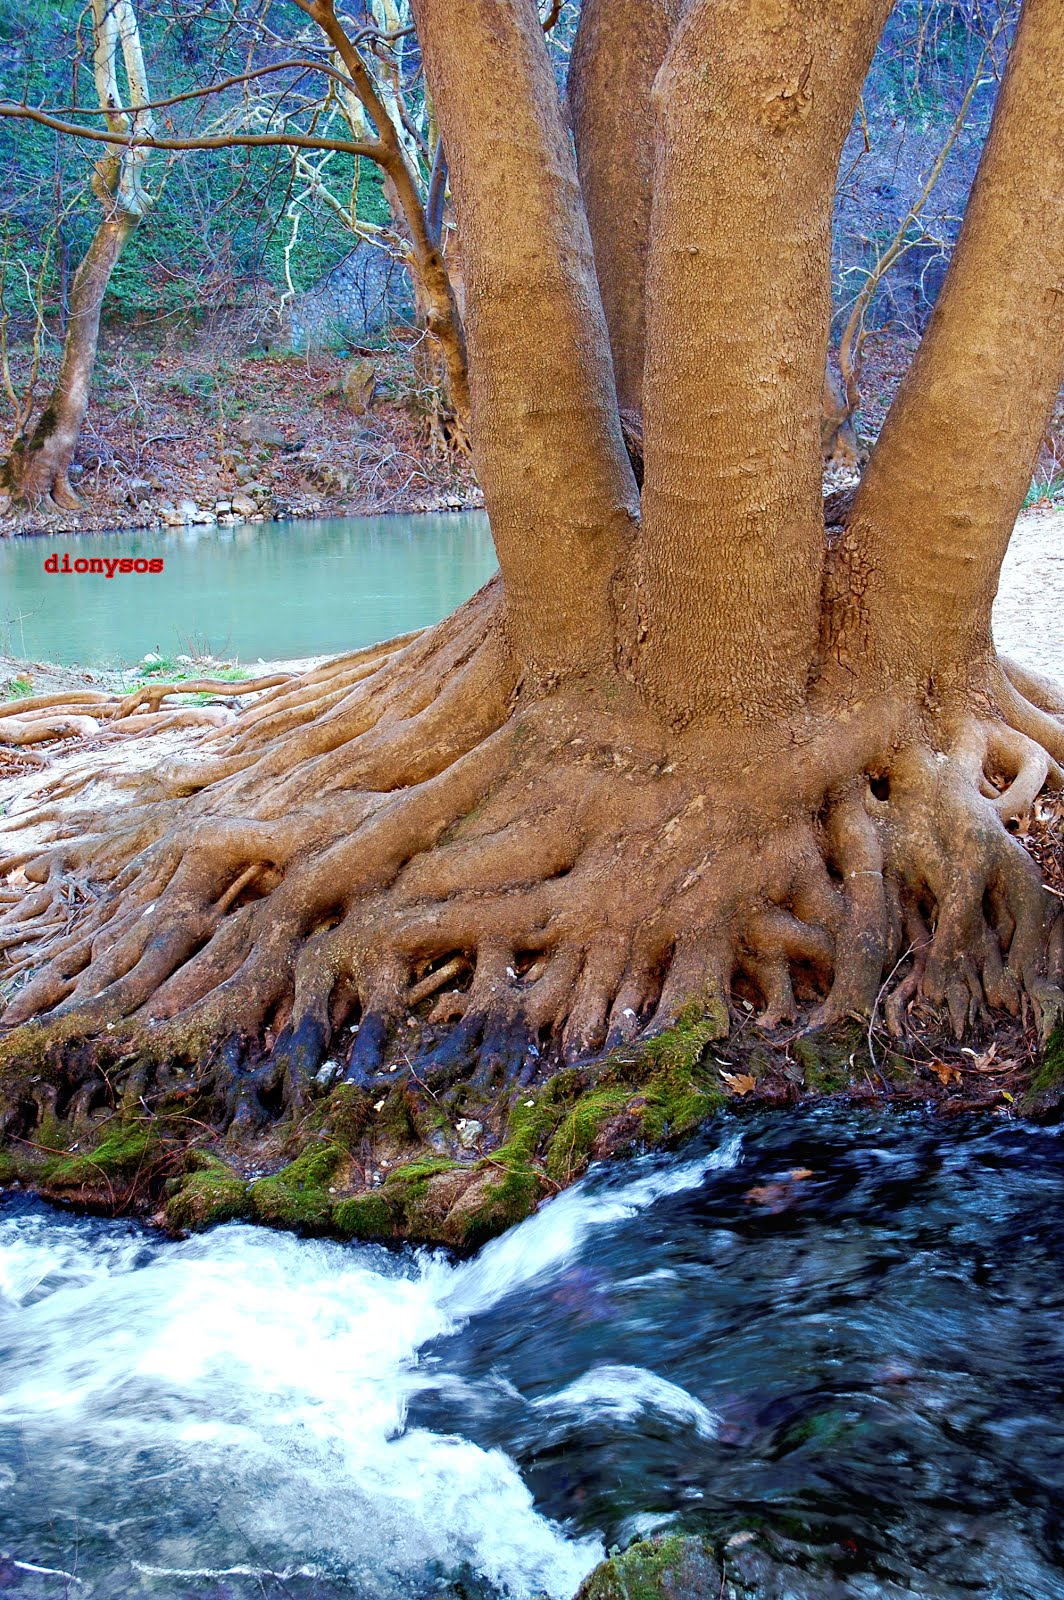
(840, 1333)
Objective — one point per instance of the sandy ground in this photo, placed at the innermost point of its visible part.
(1029, 613)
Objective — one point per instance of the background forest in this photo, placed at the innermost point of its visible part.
(261, 333)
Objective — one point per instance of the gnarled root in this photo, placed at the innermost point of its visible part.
(406, 866)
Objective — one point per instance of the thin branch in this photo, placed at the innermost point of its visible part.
(219, 87)
(220, 141)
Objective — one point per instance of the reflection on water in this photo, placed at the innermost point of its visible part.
(273, 590)
(840, 1334)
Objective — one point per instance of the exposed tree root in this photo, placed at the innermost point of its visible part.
(403, 864)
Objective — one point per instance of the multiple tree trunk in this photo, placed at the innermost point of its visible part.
(681, 752)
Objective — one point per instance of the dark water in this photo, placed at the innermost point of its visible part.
(861, 1365)
(274, 589)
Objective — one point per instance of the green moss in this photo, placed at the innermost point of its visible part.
(9, 1168)
(298, 1196)
(677, 1103)
(365, 1216)
(396, 1122)
(348, 1115)
(825, 1059)
(568, 1151)
(701, 1023)
(125, 1149)
(211, 1192)
(1048, 1077)
(503, 1204)
(412, 1179)
(675, 1567)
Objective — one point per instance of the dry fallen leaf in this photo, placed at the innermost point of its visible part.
(775, 1197)
(989, 1061)
(739, 1083)
(801, 1172)
(945, 1072)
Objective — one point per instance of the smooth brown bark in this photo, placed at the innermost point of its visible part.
(737, 317)
(465, 807)
(920, 564)
(38, 466)
(557, 484)
(619, 47)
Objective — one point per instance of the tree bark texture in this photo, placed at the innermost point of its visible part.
(936, 509)
(619, 48)
(737, 316)
(557, 484)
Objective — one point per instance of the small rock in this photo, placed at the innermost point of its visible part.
(138, 490)
(171, 516)
(261, 430)
(188, 510)
(357, 384)
(243, 505)
(469, 1131)
(221, 507)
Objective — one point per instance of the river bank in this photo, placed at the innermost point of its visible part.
(178, 436)
(395, 1157)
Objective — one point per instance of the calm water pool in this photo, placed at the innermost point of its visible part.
(271, 590)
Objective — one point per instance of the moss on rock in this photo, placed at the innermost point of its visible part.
(827, 1058)
(442, 1202)
(347, 1115)
(1047, 1081)
(365, 1216)
(570, 1148)
(681, 1047)
(209, 1192)
(674, 1567)
(298, 1196)
(123, 1152)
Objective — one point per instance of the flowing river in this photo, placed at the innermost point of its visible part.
(840, 1332)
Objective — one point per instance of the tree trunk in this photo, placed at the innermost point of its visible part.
(38, 467)
(649, 779)
(557, 484)
(737, 315)
(619, 47)
(434, 296)
(920, 565)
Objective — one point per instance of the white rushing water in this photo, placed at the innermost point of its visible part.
(236, 1404)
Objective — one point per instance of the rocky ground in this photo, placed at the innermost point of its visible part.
(194, 432)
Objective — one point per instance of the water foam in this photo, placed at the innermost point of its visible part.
(263, 1382)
